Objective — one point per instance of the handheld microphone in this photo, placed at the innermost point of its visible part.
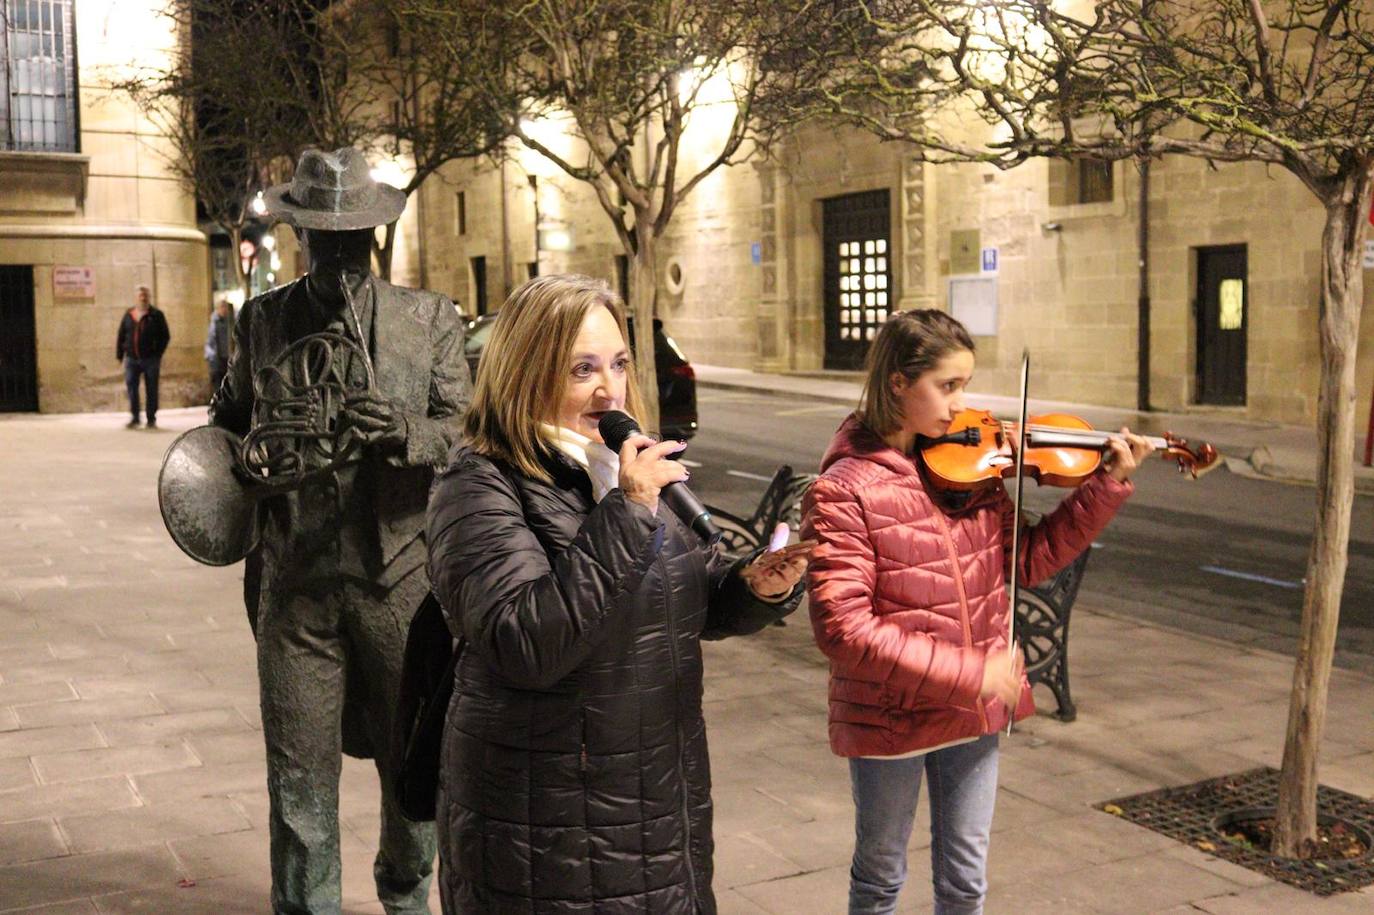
(615, 427)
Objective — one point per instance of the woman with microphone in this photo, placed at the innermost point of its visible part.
(574, 773)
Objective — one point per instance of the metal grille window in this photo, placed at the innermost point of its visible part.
(37, 75)
(863, 288)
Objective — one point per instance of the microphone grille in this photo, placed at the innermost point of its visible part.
(615, 427)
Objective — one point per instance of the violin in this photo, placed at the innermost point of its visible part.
(978, 450)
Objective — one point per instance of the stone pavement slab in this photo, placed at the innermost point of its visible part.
(131, 763)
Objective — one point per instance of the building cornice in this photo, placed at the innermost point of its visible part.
(95, 230)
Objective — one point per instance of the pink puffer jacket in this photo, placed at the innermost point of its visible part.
(907, 600)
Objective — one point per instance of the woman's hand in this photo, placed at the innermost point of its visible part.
(644, 472)
(1002, 672)
(1126, 454)
(773, 575)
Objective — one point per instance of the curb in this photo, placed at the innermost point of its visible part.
(773, 392)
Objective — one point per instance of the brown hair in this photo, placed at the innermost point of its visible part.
(524, 369)
(910, 342)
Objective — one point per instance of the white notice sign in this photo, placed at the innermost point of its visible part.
(73, 283)
(1369, 254)
(973, 301)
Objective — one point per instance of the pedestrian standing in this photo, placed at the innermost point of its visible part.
(908, 602)
(217, 344)
(574, 774)
(143, 337)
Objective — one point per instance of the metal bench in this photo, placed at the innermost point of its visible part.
(781, 501)
(1042, 628)
(1042, 612)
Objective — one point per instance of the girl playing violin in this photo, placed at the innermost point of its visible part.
(909, 604)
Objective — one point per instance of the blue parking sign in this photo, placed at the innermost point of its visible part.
(989, 260)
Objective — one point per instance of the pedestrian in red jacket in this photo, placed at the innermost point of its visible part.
(909, 603)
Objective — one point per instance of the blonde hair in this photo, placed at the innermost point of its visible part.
(525, 365)
(910, 342)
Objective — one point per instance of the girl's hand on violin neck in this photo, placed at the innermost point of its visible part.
(1126, 454)
(1003, 670)
(643, 473)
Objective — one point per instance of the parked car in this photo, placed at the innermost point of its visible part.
(677, 381)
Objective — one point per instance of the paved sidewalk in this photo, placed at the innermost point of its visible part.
(1264, 449)
(131, 772)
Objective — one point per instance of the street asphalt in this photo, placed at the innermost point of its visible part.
(131, 770)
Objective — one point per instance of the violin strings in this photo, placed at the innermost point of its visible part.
(1096, 436)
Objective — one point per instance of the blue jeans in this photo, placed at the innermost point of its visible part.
(148, 368)
(963, 791)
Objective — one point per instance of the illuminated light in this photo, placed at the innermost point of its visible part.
(269, 242)
(390, 171)
(276, 260)
(258, 206)
(271, 278)
(556, 240)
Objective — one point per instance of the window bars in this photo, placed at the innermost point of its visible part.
(37, 76)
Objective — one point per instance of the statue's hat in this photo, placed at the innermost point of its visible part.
(334, 191)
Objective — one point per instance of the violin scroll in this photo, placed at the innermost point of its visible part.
(1194, 461)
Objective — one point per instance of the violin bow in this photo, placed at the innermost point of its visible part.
(1015, 590)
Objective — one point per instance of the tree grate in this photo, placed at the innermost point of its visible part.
(1194, 813)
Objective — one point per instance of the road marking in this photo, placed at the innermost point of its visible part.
(749, 476)
(1248, 576)
(686, 463)
(733, 397)
(824, 408)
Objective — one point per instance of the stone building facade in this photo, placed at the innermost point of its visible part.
(1044, 256)
(88, 211)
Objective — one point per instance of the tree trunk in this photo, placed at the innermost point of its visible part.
(643, 295)
(384, 250)
(1295, 828)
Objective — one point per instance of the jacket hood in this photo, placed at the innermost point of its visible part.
(854, 439)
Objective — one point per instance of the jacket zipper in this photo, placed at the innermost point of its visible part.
(677, 726)
(963, 599)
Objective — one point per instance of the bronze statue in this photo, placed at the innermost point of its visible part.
(347, 393)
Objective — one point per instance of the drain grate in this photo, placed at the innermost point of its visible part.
(1192, 813)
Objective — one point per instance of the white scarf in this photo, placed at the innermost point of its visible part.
(601, 463)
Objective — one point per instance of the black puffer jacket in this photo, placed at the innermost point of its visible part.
(574, 771)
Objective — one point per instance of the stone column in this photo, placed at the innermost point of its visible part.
(774, 306)
(917, 281)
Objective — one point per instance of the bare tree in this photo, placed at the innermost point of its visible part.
(1289, 83)
(252, 83)
(225, 105)
(415, 101)
(631, 77)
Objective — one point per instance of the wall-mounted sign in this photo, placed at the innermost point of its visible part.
(1369, 254)
(973, 302)
(73, 283)
(964, 251)
(756, 252)
(989, 260)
